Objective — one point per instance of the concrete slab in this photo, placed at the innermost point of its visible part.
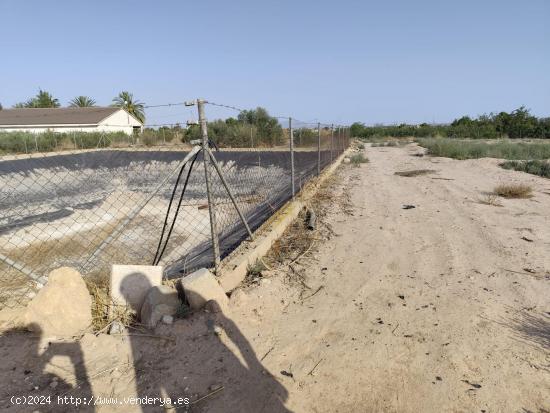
(200, 287)
(130, 283)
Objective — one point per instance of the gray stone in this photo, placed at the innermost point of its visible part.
(130, 283)
(116, 328)
(159, 301)
(62, 308)
(167, 319)
(200, 287)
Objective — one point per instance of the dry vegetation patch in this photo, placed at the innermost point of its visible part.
(490, 199)
(293, 251)
(513, 191)
(358, 159)
(104, 312)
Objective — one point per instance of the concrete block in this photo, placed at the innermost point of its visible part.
(201, 287)
(159, 301)
(130, 283)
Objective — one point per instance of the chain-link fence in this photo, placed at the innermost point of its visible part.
(91, 208)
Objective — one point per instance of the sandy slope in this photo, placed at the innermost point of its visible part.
(439, 308)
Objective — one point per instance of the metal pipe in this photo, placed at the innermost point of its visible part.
(318, 148)
(291, 155)
(211, 201)
(331, 142)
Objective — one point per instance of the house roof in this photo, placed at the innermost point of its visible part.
(55, 116)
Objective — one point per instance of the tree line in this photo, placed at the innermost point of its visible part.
(124, 100)
(251, 129)
(518, 124)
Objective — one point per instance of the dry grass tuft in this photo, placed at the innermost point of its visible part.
(254, 271)
(415, 172)
(104, 312)
(513, 191)
(292, 252)
(358, 159)
(490, 199)
(294, 242)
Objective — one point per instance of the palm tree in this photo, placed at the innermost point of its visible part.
(126, 101)
(42, 99)
(82, 102)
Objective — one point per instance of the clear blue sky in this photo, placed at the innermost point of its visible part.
(335, 61)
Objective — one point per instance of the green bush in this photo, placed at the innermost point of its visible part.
(358, 159)
(253, 128)
(471, 149)
(27, 142)
(536, 167)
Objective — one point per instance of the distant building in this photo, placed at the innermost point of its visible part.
(91, 119)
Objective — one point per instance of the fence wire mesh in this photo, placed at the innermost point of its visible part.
(91, 208)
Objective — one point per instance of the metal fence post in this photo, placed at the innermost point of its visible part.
(331, 141)
(291, 154)
(345, 137)
(337, 140)
(318, 148)
(210, 196)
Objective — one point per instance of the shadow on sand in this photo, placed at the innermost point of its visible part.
(203, 358)
(209, 361)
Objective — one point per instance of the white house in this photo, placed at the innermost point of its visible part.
(91, 119)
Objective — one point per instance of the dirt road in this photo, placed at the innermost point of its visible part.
(439, 308)
(443, 307)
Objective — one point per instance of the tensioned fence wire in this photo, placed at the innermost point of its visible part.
(261, 176)
(92, 208)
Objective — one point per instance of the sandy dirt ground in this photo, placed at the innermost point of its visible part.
(443, 307)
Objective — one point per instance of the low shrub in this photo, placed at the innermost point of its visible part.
(513, 191)
(358, 159)
(503, 149)
(535, 167)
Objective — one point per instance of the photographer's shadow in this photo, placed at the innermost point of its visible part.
(210, 362)
(22, 354)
